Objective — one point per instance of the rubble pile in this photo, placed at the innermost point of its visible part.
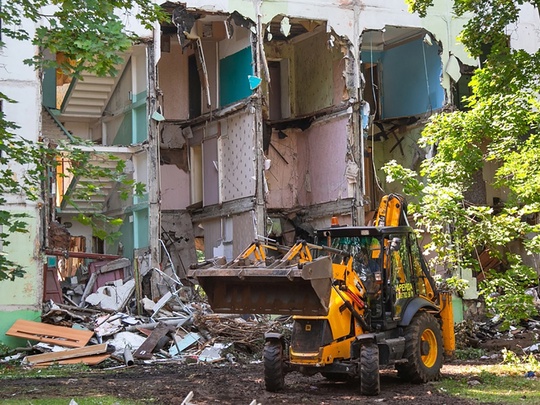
(115, 325)
(488, 335)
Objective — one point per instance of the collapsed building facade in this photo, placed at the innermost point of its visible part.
(251, 120)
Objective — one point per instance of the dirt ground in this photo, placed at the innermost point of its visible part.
(170, 383)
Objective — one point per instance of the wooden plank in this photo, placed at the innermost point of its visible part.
(67, 354)
(88, 360)
(57, 335)
(145, 350)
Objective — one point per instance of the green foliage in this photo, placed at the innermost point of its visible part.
(92, 37)
(499, 129)
(469, 353)
(14, 153)
(511, 358)
(90, 33)
(505, 292)
(452, 284)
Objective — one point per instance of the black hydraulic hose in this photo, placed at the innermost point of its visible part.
(354, 312)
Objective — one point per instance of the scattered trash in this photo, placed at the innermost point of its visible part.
(106, 318)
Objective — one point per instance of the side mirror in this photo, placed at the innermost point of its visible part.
(395, 244)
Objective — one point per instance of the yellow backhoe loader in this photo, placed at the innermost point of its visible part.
(362, 298)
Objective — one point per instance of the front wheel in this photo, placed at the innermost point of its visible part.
(369, 370)
(423, 350)
(274, 372)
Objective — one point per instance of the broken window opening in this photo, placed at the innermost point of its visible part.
(371, 89)
(409, 71)
(461, 87)
(195, 100)
(279, 101)
(223, 53)
(307, 71)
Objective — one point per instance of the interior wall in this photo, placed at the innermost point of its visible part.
(233, 76)
(121, 97)
(174, 188)
(243, 232)
(211, 167)
(79, 129)
(173, 79)
(237, 170)
(314, 81)
(405, 89)
(283, 175)
(322, 150)
(211, 58)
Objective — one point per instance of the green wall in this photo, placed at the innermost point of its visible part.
(22, 298)
(233, 76)
(8, 318)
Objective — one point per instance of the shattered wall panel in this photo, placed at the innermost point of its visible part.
(321, 155)
(238, 142)
(179, 239)
(282, 177)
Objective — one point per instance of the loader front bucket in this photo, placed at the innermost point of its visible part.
(265, 290)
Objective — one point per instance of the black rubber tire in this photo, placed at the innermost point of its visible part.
(423, 350)
(370, 383)
(274, 372)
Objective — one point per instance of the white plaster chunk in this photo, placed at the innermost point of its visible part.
(148, 304)
(126, 339)
(212, 353)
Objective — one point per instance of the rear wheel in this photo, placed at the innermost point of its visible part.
(369, 370)
(274, 373)
(423, 350)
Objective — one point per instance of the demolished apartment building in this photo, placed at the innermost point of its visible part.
(275, 121)
(262, 121)
(248, 120)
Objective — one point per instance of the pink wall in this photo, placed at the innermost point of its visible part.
(322, 151)
(174, 188)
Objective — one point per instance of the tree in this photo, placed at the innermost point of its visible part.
(500, 128)
(91, 35)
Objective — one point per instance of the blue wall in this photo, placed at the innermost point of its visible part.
(233, 76)
(404, 89)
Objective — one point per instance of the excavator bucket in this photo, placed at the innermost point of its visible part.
(295, 290)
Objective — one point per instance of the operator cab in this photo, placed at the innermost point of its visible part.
(389, 263)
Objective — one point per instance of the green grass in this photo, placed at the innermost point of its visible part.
(502, 384)
(16, 371)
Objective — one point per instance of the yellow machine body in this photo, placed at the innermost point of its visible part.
(361, 298)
